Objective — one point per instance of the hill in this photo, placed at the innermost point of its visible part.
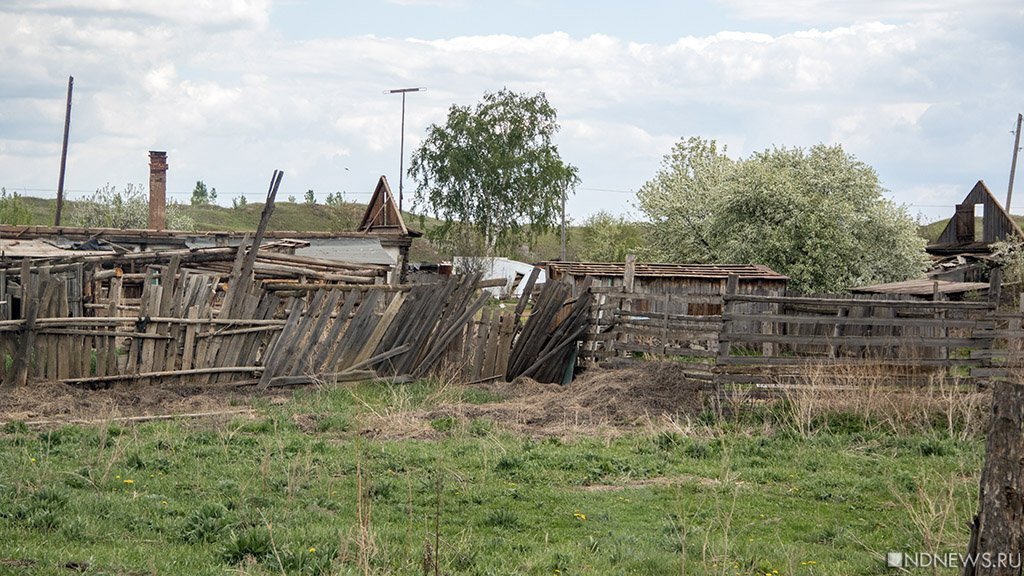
(300, 217)
(345, 217)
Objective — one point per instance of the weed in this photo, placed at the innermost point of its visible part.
(501, 518)
(206, 524)
(443, 424)
(253, 544)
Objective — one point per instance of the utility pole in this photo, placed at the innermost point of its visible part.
(1013, 163)
(401, 153)
(64, 155)
(563, 225)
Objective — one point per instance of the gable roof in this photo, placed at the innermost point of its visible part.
(959, 233)
(382, 215)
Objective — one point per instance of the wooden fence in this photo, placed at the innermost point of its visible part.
(767, 339)
(189, 326)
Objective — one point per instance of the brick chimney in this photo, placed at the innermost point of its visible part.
(157, 190)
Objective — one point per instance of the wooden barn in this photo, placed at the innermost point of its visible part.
(700, 286)
(962, 249)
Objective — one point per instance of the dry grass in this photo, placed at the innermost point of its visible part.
(871, 393)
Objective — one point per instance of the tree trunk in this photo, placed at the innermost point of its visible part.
(997, 533)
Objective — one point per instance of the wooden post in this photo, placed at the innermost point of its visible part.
(998, 528)
(995, 283)
(626, 305)
(629, 275)
(29, 308)
(1013, 163)
(732, 285)
(64, 155)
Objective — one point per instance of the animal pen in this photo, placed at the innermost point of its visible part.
(257, 315)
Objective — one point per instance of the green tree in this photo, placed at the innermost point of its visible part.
(109, 207)
(817, 215)
(604, 237)
(335, 199)
(201, 195)
(310, 198)
(12, 209)
(239, 203)
(493, 171)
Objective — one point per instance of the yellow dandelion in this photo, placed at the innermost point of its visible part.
(580, 516)
(163, 502)
(129, 481)
(312, 549)
(33, 459)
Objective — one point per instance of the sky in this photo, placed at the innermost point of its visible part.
(926, 92)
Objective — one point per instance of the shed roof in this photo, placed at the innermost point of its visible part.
(922, 287)
(707, 271)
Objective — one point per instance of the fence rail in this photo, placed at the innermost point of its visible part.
(763, 339)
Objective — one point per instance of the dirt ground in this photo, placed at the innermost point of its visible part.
(598, 400)
(44, 403)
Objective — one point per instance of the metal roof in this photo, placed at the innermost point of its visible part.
(36, 248)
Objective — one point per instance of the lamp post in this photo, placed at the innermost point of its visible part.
(401, 152)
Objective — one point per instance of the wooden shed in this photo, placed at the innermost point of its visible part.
(962, 235)
(701, 284)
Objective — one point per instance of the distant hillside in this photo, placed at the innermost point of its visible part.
(322, 218)
(299, 217)
(930, 232)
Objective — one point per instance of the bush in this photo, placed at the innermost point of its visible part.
(127, 208)
(12, 209)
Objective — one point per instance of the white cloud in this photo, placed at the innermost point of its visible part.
(239, 103)
(207, 13)
(862, 10)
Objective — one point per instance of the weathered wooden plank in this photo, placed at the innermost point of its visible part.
(355, 334)
(453, 330)
(305, 337)
(667, 350)
(188, 349)
(381, 329)
(30, 309)
(835, 319)
(881, 363)
(839, 302)
(869, 341)
(327, 345)
(279, 352)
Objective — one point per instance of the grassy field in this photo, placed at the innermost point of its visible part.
(317, 485)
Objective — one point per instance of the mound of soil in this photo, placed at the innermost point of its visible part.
(58, 403)
(598, 400)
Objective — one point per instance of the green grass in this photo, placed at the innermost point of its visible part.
(267, 496)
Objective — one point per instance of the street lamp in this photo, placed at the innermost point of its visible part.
(401, 158)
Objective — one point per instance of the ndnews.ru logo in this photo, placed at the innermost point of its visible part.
(952, 560)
